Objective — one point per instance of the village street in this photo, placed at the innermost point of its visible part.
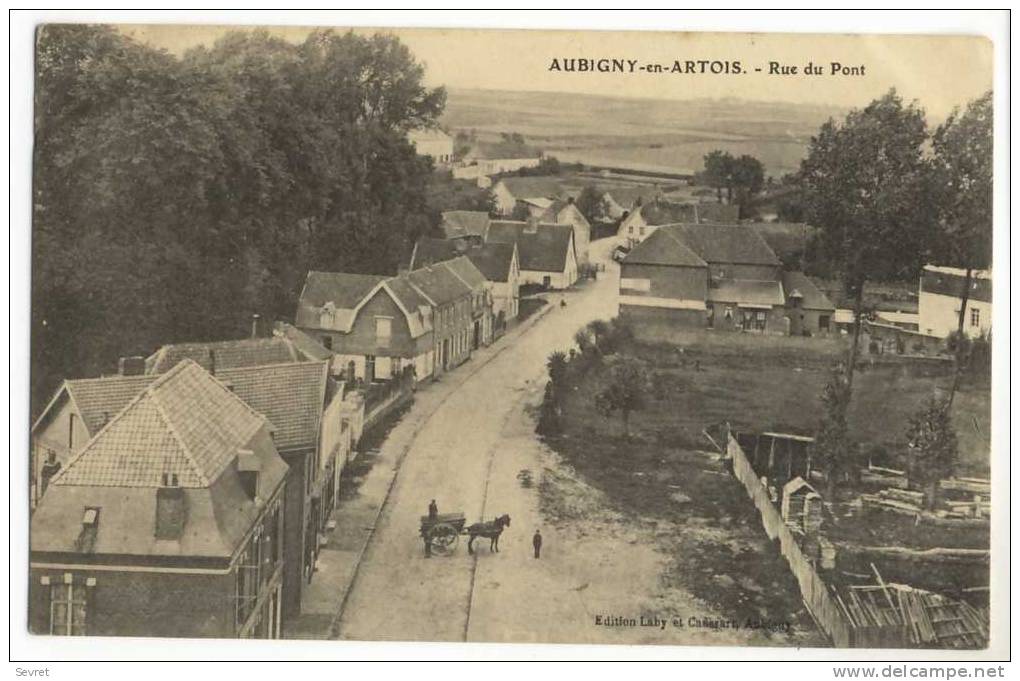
(475, 466)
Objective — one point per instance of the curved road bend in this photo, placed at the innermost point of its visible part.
(398, 594)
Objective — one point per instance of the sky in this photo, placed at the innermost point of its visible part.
(941, 72)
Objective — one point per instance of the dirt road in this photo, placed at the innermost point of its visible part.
(478, 454)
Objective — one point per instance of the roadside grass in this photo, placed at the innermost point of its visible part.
(529, 306)
(756, 384)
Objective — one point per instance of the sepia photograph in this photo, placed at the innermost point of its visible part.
(488, 336)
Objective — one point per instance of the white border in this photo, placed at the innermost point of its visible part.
(991, 24)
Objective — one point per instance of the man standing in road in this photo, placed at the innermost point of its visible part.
(536, 541)
(433, 510)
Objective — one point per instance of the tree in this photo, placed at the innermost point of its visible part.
(591, 204)
(718, 167)
(831, 442)
(625, 388)
(932, 442)
(174, 197)
(747, 178)
(865, 186)
(962, 179)
(600, 331)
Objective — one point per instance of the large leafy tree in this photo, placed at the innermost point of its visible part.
(962, 178)
(625, 388)
(866, 187)
(174, 197)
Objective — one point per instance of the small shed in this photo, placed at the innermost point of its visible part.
(801, 506)
(779, 456)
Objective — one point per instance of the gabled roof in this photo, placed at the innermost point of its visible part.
(345, 291)
(99, 399)
(439, 284)
(626, 197)
(462, 223)
(291, 396)
(540, 248)
(812, 297)
(747, 292)
(534, 187)
(185, 423)
(493, 260)
(307, 345)
(465, 269)
(663, 247)
(663, 212)
(225, 354)
(711, 212)
(725, 244)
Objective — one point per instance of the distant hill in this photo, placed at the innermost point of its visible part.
(650, 134)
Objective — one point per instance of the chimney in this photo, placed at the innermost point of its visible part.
(255, 325)
(171, 508)
(131, 366)
(248, 467)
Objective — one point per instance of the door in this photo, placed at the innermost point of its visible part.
(478, 335)
(369, 368)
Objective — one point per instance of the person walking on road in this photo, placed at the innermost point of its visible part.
(433, 510)
(536, 541)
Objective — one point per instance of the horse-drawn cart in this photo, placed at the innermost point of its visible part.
(442, 532)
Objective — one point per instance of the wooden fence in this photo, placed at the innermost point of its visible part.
(813, 590)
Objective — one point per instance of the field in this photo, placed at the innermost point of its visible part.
(759, 383)
(668, 471)
(645, 134)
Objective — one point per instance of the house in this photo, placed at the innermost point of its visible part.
(510, 190)
(432, 142)
(471, 225)
(623, 200)
(644, 219)
(427, 320)
(564, 212)
(245, 352)
(295, 397)
(810, 311)
(76, 413)
(498, 263)
(374, 325)
(546, 252)
(722, 277)
(486, 159)
(168, 523)
(462, 309)
(939, 298)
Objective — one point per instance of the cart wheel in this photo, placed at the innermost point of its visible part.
(444, 538)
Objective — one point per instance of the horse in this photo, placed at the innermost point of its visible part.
(490, 531)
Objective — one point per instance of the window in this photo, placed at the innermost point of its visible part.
(69, 605)
(327, 342)
(383, 330)
(823, 322)
(975, 316)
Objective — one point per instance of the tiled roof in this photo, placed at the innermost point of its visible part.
(663, 247)
(626, 197)
(667, 212)
(711, 212)
(461, 223)
(492, 259)
(532, 187)
(185, 422)
(344, 290)
(464, 268)
(307, 345)
(100, 399)
(726, 244)
(291, 396)
(245, 352)
(812, 297)
(439, 283)
(542, 249)
(742, 291)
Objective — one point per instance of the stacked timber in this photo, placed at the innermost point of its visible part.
(895, 500)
